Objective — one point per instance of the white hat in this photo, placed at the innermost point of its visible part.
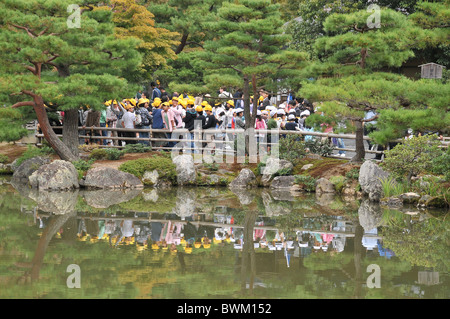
(272, 113)
(258, 112)
(238, 110)
(281, 111)
(291, 117)
(305, 112)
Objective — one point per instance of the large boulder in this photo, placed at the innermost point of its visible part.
(273, 165)
(245, 179)
(370, 215)
(186, 171)
(107, 177)
(283, 182)
(323, 185)
(55, 202)
(26, 168)
(104, 198)
(57, 175)
(370, 177)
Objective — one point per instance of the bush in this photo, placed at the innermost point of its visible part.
(393, 188)
(352, 174)
(412, 157)
(319, 146)
(291, 148)
(82, 166)
(166, 169)
(4, 159)
(338, 182)
(111, 154)
(307, 181)
(33, 151)
(137, 148)
(440, 165)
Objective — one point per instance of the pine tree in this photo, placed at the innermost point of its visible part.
(49, 65)
(349, 80)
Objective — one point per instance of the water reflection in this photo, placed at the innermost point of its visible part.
(213, 243)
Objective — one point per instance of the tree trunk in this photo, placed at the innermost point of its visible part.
(70, 131)
(360, 150)
(60, 148)
(182, 43)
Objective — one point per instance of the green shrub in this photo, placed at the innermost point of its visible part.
(164, 166)
(440, 165)
(291, 148)
(113, 154)
(4, 159)
(33, 151)
(352, 174)
(137, 148)
(307, 181)
(412, 157)
(319, 146)
(338, 182)
(98, 154)
(391, 187)
(82, 166)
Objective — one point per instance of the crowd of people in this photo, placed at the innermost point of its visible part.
(164, 113)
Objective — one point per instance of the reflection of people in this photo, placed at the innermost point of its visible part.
(369, 241)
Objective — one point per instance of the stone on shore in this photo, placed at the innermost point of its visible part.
(57, 175)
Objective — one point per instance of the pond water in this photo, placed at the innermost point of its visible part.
(213, 243)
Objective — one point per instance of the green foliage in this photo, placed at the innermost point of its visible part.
(163, 165)
(319, 146)
(83, 166)
(338, 182)
(441, 164)
(412, 157)
(352, 174)
(111, 154)
(291, 148)
(211, 166)
(33, 151)
(307, 181)
(391, 187)
(4, 159)
(136, 148)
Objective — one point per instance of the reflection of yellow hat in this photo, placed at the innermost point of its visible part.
(199, 108)
(206, 246)
(156, 102)
(188, 250)
(231, 102)
(165, 249)
(155, 247)
(217, 241)
(197, 245)
(141, 247)
(208, 108)
(183, 241)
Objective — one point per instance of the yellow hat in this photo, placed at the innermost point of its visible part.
(231, 102)
(132, 101)
(199, 108)
(191, 101)
(183, 103)
(143, 101)
(165, 104)
(156, 102)
(108, 103)
(175, 98)
(208, 108)
(205, 103)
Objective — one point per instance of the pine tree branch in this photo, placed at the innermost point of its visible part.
(20, 104)
(30, 32)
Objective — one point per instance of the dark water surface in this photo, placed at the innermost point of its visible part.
(213, 243)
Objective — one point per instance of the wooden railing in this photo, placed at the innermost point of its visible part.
(200, 134)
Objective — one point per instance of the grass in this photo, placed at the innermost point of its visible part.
(391, 187)
(163, 165)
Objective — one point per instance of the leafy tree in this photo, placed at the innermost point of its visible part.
(248, 50)
(50, 66)
(134, 20)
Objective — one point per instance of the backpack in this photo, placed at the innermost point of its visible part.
(138, 121)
